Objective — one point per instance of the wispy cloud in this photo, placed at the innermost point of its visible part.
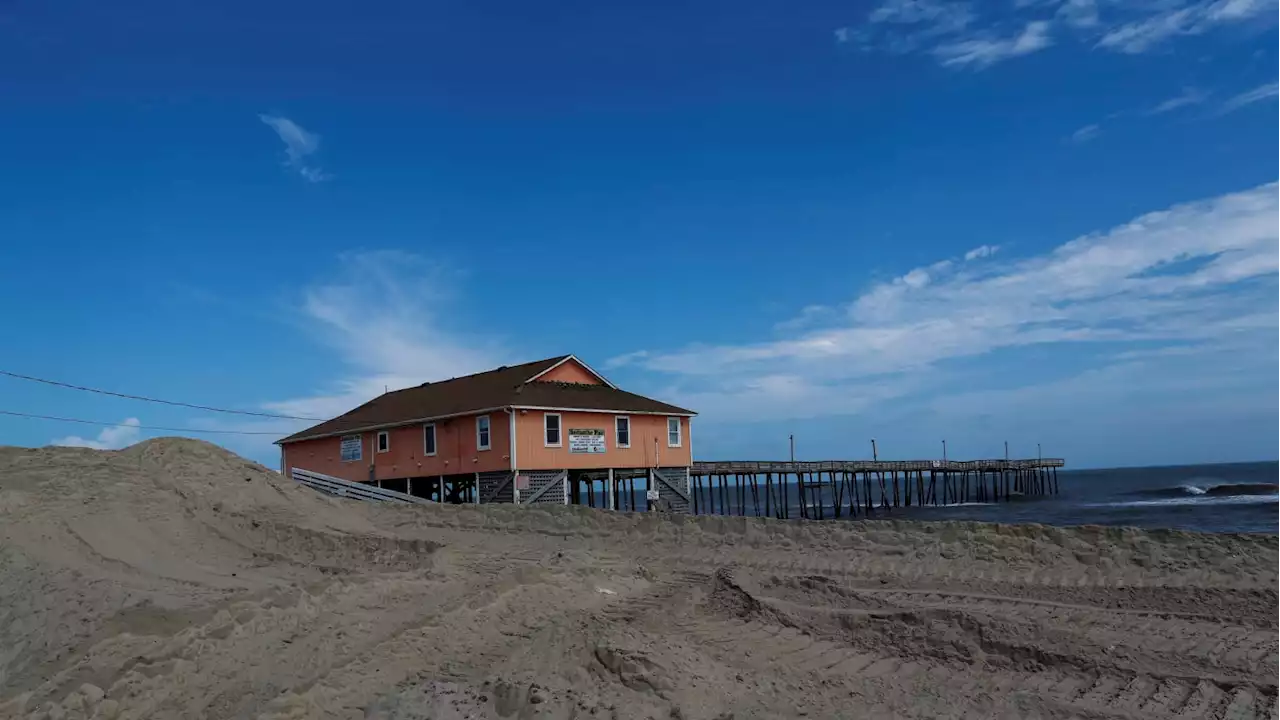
(981, 52)
(1086, 133)
(958, 35)
(1079, 14)
(981, 251)
(1188, 274)
(112, 438)
(1141, 35)
(1171, 20)
(385, 317)
(299, 146)
(1250, 97)
(1189, 96)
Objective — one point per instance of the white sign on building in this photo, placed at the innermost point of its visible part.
(351, 448)
(588, 441)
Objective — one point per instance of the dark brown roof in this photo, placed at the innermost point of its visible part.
(503, 387)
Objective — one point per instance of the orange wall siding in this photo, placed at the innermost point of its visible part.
(455, 451)
(570, 372)
(531, 454)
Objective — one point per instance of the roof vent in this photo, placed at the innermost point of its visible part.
(425, 384)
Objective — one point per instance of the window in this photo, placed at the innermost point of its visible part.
(551, 424)
(351, 448)
(429, 439)
(673, 432)
(622, 431)
(482, 432)
(384, 441)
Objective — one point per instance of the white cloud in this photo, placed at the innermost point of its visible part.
(385, 317)
(112, 438)
(957, 35)
(1188, 274)
(809, 315)
(1086, 133)
(1141, 35)
(299, 145)
(980, 252)
(625, 359)
(987, 51)
(1189, 96)
(932, 17)
(1172, 20)
(1257, 94)
(1079, 14)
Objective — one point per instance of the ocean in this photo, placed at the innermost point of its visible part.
(1237, 497)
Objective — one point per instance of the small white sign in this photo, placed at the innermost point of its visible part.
(651, 495)
(522, 482)
(589, 441)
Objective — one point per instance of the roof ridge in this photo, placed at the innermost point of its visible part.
(500, 368)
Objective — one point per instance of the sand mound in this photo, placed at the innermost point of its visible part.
(174, 579)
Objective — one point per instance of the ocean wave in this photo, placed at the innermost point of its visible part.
(1192, 490)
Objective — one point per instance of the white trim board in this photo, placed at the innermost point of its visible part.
(481, 411)
(604, 411)
(396, 424)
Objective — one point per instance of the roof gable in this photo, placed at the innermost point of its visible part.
(571, 369)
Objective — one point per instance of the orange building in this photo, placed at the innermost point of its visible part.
(541, 432)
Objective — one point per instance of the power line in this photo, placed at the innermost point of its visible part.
(137, 427)
(143, 398)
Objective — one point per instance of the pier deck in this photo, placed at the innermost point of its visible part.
(845, 488)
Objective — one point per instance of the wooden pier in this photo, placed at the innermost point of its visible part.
(844, 488)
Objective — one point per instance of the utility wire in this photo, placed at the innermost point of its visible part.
(157, 400)
(138, 427)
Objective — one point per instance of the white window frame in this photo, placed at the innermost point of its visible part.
(559, 430)
(377, 442)
(357, 458)
(679, 433)
(435, 440)
(616, 442)
(488, 426)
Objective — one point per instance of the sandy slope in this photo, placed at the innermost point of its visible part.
(175, 580)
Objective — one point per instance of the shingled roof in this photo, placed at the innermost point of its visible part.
(505, 387)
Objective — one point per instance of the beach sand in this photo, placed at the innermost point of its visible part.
(176, 580)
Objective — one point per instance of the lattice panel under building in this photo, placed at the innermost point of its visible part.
(497, 487)
(672, 485)
(543, 487)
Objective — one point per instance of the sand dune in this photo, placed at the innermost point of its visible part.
(176, 580)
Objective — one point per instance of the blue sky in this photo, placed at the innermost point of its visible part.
(1041, 221)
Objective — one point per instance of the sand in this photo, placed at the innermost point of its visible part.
(173, 579)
